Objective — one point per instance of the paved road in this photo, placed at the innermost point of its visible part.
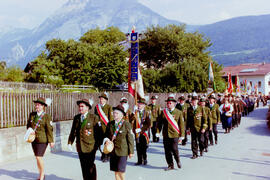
(242, 154)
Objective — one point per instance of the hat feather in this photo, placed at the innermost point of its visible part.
(125, 106)
(48, 101)
(91, 102)
(146, 98)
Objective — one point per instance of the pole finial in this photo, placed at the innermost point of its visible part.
(133, 29)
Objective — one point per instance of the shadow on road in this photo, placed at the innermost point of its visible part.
(251, 175)
(24, 174)
(245, 160)
(260, 129)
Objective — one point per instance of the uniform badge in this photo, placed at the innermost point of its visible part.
(99, 123)
(120, 131)
(88, 124)
(51, 123)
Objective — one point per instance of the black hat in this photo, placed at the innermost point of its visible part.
(182, 97)
(86, 102)
(41, 100)
(154, 97)
(171, 98)
(104, 95)
(212, 96)
(120, 108)
(123, 100)
(203, 100)
(142, 100)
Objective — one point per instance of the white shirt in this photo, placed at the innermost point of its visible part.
(83, 116)
(39, 113)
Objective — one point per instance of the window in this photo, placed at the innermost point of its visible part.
(259, 84)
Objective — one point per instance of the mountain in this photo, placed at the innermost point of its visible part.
(234, 41)
(239, 40)
(75, 18)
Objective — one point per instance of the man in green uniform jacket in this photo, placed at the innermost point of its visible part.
(183, 106)
(155, 110)
(86, 131)
(196, 124)
(171, 122)
(141, 123)
(209, 122)
(215, 118)
(104, 111)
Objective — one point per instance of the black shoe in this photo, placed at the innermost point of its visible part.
(206, 150)
(211, 143)
(201, 153)
(184, 143)
(145, 162)
(194, 157)
(216, 142)
(169, 168)
(179, 165)
(138, 163)
(105, 160)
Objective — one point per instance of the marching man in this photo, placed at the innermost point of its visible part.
(141, 123)
(104, 111)
(171, 123)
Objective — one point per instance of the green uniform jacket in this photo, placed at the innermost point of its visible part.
(215, 114)
(184, 111)
(155, 112)
(208, 117)
(107, 109)
(167, 130)
(124, 141)
(85, 143)
(44, 131)
(196, 120)
(145, 119)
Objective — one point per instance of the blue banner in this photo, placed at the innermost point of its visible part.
(134, 54)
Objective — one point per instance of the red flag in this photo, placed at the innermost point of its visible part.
(230, 86)
(131, 84)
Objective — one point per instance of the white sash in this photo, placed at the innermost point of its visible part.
(171, 120)
(101, 113)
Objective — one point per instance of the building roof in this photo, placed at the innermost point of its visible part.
(259, 69)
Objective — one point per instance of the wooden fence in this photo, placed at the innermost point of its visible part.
(15, 107)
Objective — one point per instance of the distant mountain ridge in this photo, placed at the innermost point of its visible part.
(238, 40)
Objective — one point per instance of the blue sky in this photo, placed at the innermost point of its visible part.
(31, 13)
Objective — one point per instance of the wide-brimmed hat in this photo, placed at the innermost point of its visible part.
(41, 100)
(154, 97)
(87, 102)
(182, 97)
(104, 95)
(195, 96)
(212, 96)
(141, 100)
(171, 97)
(120, 108)
(203, 99)
(123, 100)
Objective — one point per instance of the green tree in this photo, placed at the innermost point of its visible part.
(96, 60)
(181, 59)
(13, 73)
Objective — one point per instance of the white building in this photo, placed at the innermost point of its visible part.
(254, 74)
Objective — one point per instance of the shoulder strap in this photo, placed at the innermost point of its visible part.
(40, 118)
(171, 120)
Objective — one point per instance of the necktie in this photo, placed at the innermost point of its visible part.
(82, 118)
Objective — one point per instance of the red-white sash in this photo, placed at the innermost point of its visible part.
(102, 115)
(139, 126)
(171, 120)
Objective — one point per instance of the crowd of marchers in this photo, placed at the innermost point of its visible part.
(116, 131)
